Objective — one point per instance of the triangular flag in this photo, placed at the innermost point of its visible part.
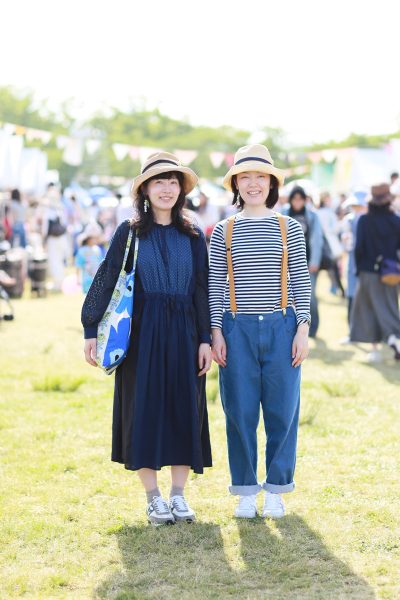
(120, 150)
(92, 146)
(146, 151)
(229, 159)
(217, 158)
(186, 156)
(73, 153)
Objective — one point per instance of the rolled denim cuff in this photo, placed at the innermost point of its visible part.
(245, 490)
(278, 489)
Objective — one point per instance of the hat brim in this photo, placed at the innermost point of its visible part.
(252, 166)
(190, 178)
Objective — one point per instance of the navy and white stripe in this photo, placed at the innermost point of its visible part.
(257, 261)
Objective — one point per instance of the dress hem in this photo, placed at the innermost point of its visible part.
(198, 470)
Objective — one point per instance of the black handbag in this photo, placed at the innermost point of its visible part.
(327, 260)
(56, 228)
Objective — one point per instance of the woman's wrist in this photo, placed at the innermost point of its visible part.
(303, 328)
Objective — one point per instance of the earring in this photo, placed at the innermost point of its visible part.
(146, 205)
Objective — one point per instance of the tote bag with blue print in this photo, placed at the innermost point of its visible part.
(114, 329)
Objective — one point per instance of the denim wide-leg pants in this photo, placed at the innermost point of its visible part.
(258, 373)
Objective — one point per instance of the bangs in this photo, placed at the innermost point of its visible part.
(168, 175)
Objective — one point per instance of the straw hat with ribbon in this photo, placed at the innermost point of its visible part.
(164, 162)
(254, 157)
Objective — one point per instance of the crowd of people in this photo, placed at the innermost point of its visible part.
(69, 233)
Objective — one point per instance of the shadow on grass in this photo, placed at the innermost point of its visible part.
(329, 355)
(287, 561)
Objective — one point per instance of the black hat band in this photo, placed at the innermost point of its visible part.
(156, 162)
(253, 158)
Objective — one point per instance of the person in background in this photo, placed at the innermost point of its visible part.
(124, 209)
(375, 310)
(17, 216)
(357, 204)
(330, 227)
(312, 230)
(54, 233)
(394, 177)
(89, 254)
(208, 214)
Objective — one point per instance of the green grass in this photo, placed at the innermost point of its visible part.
(73, 523)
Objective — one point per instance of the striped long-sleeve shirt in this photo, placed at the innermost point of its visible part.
(257, 260)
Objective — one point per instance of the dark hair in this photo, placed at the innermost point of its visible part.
(297, 190)
(145, 220)
(394, 174)
(272, 197)
(15, 195)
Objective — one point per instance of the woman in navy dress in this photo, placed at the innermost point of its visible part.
(160, 413)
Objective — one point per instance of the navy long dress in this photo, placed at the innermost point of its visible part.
(160, 412)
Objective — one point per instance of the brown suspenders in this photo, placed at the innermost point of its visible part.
(228, 229)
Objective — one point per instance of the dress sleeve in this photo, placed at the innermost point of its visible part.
(298, 272)
(200, 297)
(102, 287)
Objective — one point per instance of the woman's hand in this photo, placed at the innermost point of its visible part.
(300, 345)
(90, 351)
(218, 347)
(205, 358)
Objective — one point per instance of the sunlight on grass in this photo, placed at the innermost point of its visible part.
(58, 383)
(73, 524)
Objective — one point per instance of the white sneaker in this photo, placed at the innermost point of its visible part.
(374, 357)
(394, 342)
(273, 506)
(158, 512)
(247, 508)
(181, 509)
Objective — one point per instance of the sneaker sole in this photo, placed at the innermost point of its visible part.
(246, 516)
(166, 522)
(184, 519)
(273, 516)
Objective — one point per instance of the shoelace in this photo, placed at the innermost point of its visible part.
(180, 503)
(160, 505)
(274, 501)
(246, 502)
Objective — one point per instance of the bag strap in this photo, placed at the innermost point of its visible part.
(135, 251)
(228, 233)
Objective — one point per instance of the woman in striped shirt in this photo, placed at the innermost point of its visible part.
(260, 320)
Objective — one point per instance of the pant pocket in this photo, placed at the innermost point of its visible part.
(228, 324)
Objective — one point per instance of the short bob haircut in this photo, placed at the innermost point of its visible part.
(272, 197)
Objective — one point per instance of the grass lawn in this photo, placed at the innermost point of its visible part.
(73, 523)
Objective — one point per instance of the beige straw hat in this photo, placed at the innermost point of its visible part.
(163, 162)
(254, 157)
